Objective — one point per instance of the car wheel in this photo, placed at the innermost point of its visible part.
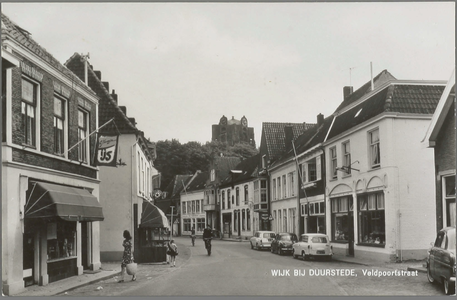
(271, 249)
(429, 275)
(252, 247)
(448, 289)
(279, 251)
(293, 254)
(304, 256)
(257, 246)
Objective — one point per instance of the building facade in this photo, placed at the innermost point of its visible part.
(192, 212)
(50, 185)
(441, 136)
(376, 205)
(125, 187)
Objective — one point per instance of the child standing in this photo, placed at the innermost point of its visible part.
(173, 252)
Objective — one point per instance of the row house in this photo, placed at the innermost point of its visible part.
(192, 212)
(274, 138)
(219, 169)
(441, 137)
(357, 173)
(236, 194)
(50, 186)
(169, 200)
(377, 206)
(125, 187)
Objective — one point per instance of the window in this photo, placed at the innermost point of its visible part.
(372, 219)
(213, 175)
(193, 206)
(375, 157)
(449, 199)
(198, 206)
(59, 124)
(229, 199)
(274, 189)
(279, 188)
(61, 240)
(342, 223)
(264, 161)
(28, 109)
(184, 206)
(347, 157)
(291, 182)
(237, 193)
(200, 224)
(248, 219)
(223, 200)
(284, 187)
(189, 207)
(303, 172)
(333, 162)
(284, 214)
(186, 223)
(243, 220)
(246, 195)
(82, 135)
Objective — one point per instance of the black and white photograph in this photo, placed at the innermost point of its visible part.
(231, 149)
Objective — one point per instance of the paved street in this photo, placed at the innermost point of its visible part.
(234, 269)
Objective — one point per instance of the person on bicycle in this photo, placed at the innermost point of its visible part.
(192, 235)
(207, 236)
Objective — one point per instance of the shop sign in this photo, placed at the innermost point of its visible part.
(106, 153)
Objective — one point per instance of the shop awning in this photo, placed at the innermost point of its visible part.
(48, 201)
(153, 217)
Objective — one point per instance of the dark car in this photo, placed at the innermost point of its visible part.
(282, 243)
(441, 260)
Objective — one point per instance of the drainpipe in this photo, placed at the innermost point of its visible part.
(133, 163)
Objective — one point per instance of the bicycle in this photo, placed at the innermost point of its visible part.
(208, 245)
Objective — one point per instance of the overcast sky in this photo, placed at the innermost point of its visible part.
(178, 67)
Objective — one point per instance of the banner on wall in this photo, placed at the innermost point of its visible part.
(106, 151)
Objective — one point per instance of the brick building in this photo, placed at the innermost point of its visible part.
(50, 186)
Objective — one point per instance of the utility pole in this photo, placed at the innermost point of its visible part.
(171, 226)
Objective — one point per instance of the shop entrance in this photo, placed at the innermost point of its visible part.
(85, 245)
(28, 258)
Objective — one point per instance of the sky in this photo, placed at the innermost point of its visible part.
(178, 67)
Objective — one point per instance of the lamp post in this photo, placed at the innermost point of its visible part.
(171, 226)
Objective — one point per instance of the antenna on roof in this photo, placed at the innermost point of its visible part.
(371, 71)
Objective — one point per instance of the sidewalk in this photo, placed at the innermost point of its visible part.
(409, 265)
(108, 275)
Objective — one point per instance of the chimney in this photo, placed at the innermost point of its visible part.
(98, 74)
(106, 85)
(124, 109)
(320, 119)
(347, 90)
(114, 95)
(289, 136)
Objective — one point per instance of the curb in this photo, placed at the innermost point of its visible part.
(419, 269)
(87, 283)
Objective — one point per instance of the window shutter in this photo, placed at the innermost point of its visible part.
(318, 168)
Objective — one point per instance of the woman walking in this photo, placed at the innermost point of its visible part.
(127, 257)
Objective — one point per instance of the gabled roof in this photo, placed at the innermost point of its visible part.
(108, 107)
(274, 136)
(310, 138)
(378, 81)
(198, 183)
(441, 112)
(248, 168)
(176, 185)
(11, 30)
(396, 97)
(223, 165)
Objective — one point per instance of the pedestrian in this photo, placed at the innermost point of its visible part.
(192, 235)
(172, 252)
(127, 257)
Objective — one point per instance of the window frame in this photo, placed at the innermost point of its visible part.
(34, 104)
(372, 146)
(346, 150)
(333, 162)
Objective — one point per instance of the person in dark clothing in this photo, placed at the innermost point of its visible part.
(127, 256)
(207, 236)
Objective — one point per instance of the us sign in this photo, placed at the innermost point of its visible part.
(106, 154)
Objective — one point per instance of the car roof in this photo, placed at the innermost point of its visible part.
(265, 231)
(286, 233)
(314, 234)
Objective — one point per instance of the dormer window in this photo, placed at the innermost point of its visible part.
(213, 175)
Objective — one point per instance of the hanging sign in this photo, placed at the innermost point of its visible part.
(106, 153)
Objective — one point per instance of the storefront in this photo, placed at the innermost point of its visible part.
(57, 240)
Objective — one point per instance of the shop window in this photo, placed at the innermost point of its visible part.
(186, 225)
(200, 224)
(341, 218)
(372, 219)
(61, 238)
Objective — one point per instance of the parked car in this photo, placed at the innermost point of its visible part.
(441, 260)
(282, 243)
(262, 239)
(313, 245)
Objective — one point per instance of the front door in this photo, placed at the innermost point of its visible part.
(28, 258)
(351, 234)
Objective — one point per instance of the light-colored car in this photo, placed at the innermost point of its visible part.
(441, 260)
(262, 239)
(313, 245)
